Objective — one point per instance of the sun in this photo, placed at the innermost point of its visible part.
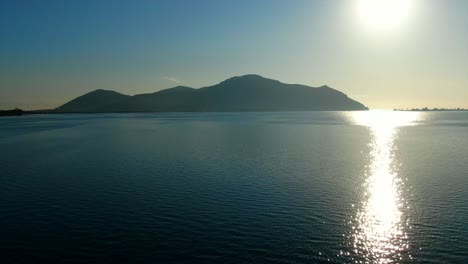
(384, 14)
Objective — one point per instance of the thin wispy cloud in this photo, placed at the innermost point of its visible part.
(172, 79)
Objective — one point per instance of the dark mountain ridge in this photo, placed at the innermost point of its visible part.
(236, 94)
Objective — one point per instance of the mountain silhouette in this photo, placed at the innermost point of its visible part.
(237, 94)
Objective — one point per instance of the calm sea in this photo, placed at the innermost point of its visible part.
(306, 187)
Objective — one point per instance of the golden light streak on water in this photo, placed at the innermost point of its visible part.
(379, 235)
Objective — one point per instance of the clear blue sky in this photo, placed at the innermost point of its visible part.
(53, 51)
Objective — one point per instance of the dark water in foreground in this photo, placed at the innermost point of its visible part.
(377, 187)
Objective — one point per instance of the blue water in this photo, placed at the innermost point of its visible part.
(376, 187)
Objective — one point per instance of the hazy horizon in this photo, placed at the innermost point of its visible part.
(54, 51)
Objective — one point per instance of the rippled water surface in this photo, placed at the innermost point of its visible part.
(306, 187)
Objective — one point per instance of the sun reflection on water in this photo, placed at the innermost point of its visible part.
(379, 235)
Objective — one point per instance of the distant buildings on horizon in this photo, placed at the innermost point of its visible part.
(430, 109)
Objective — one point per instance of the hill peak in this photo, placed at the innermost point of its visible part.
(102, 91)
(175, 89)
(249, 78)
(89, 101)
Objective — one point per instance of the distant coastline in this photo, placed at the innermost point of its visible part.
(20, 112)
(426, 109)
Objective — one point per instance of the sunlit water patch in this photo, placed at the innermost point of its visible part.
(379, 228)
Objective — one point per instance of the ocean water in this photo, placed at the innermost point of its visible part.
(304, 187)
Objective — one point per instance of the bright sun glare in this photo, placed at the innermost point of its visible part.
(384, 14)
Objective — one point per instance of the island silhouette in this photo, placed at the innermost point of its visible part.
(248, 93)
